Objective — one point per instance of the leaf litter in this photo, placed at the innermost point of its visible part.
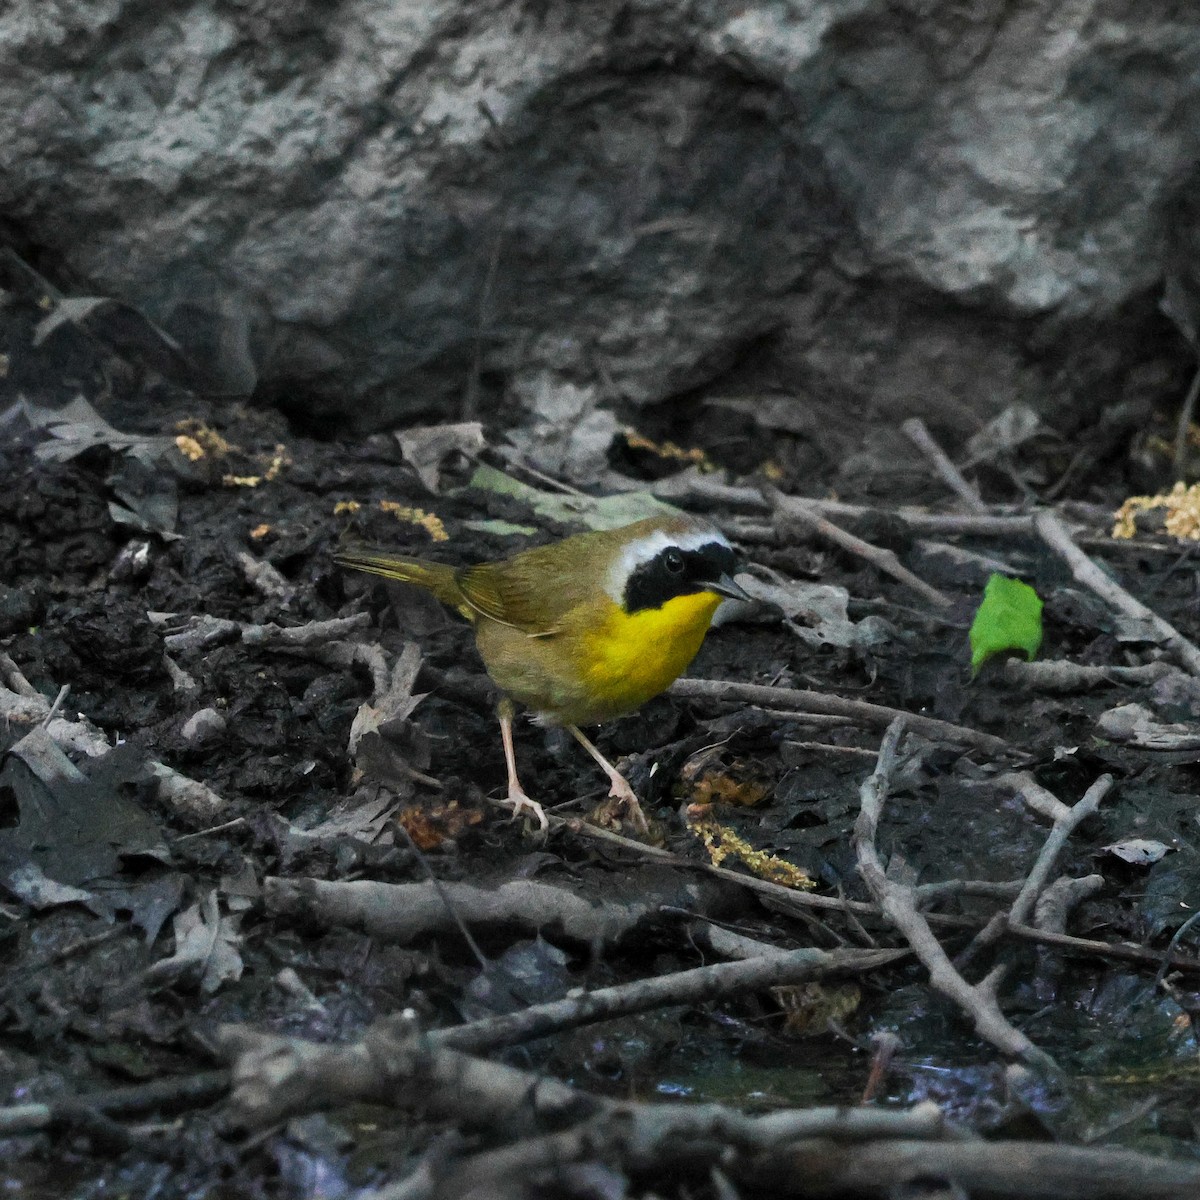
(322, 758)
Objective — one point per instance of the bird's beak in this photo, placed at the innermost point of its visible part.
(728, 586)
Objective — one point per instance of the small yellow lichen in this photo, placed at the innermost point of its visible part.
(346, 506)
(189, 448)
(722, 843)
(431, 523)
(241, 480)
(278, 461)
(201, 437)
(259, 532)
(696, 456)
(1181, 518)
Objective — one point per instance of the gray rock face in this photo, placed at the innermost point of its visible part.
(385, 208)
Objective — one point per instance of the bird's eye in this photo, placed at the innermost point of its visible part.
(673, 561)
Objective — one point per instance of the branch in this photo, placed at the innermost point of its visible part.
(899, 906)
(1056, 535)
(875, 716)
(695, 986)
(916, 431)
(789, 509)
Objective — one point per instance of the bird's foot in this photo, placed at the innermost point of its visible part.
(523, 806)
(622, 809)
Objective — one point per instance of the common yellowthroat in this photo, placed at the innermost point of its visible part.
(584, 629)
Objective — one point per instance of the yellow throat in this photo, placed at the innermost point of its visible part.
(631, 657)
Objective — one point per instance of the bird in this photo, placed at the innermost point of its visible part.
(584, 629)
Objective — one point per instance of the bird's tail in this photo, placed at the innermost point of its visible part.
(435, 577)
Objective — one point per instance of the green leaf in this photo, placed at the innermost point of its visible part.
(1010, 618)
(591, 512)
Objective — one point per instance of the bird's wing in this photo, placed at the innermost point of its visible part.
(531, 591)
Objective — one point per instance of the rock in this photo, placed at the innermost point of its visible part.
(203, 726)
(894, 208)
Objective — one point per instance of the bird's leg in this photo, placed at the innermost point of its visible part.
(517, 800)
(620, 790)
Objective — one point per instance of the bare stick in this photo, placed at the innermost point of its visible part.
(266, 578)
(1062, 675)
(916, 431)
(1064, 826)
(183, 1091)
(1009, 1170)
(203, 631)
(1065, 822)
(792, 1152)
(899, 906)
(876, 716)
(1043, 801)
(1056, 535)
(696, 986)
(404, 912)
(886, 561)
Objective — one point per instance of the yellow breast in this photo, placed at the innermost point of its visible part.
(628, 658)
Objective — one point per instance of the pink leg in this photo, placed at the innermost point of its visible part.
(517, 800)
(620, 785)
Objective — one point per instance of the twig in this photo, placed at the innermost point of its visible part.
(1050, 914)
(1008, 1170)
(1183, 426)
(1066, 821)
(1056, 535)
(203, 631)
(695, 986)
(1064, 826)
(916, 431)
(1057, 901)
(404, 912)
(831, 748)
(1040, 799)
(899, 906)
(791, 1152)
(788, 508)
(266, 578)
(1062, 675)
(188, 797)
(876, 716)
(797, 903)
(187, 1090)
(14, 678)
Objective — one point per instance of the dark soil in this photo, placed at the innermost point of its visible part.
(79, 1013)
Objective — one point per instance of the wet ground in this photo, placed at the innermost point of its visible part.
(113, 546)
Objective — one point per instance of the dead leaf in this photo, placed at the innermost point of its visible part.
(206, 948)
(588, 512)
(1017, 424)
(31, 886)
(364, 821)
(817, 613)
(75, 827)
(1134, 724)
(429, 825)
(1140, 852)
(427, 447)
(77, 427)
(810, 1008)
(385, 745)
